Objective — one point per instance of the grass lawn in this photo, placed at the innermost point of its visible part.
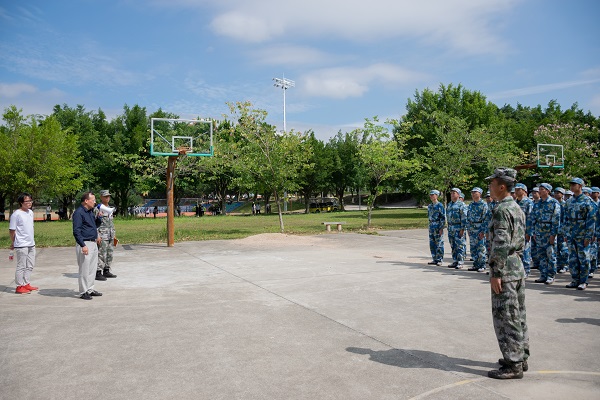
(150, 230)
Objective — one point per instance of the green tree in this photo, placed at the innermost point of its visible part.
(383, 160)
(345, 166)
(317, 174)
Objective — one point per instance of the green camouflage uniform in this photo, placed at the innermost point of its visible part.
(106, 231)
(507, 235)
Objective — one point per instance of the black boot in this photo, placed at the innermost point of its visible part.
(507, 372)
(108, 274)
(503, 363)
(99, 276)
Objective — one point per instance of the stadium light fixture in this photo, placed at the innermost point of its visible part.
(285, 84)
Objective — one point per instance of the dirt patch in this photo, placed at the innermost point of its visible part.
(281, 239)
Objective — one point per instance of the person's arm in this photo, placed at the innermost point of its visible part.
(12, 238)
(78, 228)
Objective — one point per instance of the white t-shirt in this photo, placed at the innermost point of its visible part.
(22, 223)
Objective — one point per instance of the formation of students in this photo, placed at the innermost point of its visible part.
(562, 230)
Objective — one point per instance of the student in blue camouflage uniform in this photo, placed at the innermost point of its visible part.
(491, 203)
(562, 250)
(461, 197)
(535, 260)
(456, 217)
(507, 278)
(596, 243)
(545, 223)
(437, 219)
(526, 206)
(568, 195)
(476, 224)
(579, 226)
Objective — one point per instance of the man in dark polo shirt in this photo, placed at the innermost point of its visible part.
(85, 231)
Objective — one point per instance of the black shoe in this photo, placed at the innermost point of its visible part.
(571, 285)
(432, 263)
(99, 276)
(108, 274)
(472, 269)
(541, 280)
(95, 293)
(503, 363)
(514, 372)
(86, 296)
(453, 265)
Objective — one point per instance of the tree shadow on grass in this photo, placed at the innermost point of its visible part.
(411, 358)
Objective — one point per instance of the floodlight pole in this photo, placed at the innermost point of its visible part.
(284, 84)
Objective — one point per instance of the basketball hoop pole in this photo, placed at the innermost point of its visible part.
(170, 201)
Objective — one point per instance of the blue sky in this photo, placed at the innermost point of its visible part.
(350, 59)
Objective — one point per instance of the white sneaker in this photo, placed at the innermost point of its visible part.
(582, 286)
(549, 281)
(591, 275)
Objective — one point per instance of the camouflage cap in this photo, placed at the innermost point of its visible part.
(477, 189)
(569, 193)
(105, 193)
(546, 186)
(436, 192)
(521, 186)
(586, 189)
(488, 194)
(504, 173)
(595, 189)
(560, 190)
(535, 189)
(457, 190)
(578, 181)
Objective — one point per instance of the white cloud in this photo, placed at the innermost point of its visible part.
(466, 25)
(347, 82)
(12, 90)
(550, 87)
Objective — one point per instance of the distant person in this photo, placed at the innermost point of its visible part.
(526, 205)
(48, 212)
(155, 211)
(106, 233)
(507, 277)
(22, 242)
(257, 207)
(456, 216)
(545, 225)
(85, 231)
(477, 228)
(436, 214)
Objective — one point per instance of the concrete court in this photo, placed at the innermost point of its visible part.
(332, 316)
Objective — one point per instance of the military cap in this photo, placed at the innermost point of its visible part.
(569, 193)
(477, 189)
(595, 189)
(504, 173)
(535, 189)
(488, 194)
(546, 186)
(457, 190)
(586, 189)
(105, 193)
(434, 192)
(559, 189)
(578, 181)
(521, 186)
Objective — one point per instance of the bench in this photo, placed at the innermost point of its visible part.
(328, 225)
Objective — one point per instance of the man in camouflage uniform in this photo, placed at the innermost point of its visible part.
(562, 255)
(579, 231)
(527, 207)
(437, 219)
(476, 218)
(595, 196)
(535, 260)
(545, 222)
(106, 232)
(457, 223)
(568, 195)
(491, 203)
(507, 278)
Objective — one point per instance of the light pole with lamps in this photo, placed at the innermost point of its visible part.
(284, 84)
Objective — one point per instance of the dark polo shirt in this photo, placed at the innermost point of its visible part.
(85, 225)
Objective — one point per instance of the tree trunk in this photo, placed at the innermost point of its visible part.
(279, 211)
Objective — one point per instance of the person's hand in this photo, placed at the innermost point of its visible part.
(99, 240)
(527, 238)
(441, 231)
(461, 233)
(84, 250)
(496, 284)
(586, 242)
(551, 240)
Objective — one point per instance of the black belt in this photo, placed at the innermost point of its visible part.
(89, 240)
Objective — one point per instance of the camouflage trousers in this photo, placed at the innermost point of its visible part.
(478, 248)
(458, 244)
(436, 244)
(579, 260)
(105, 254)
(510, 321)
(546, 254)
(594, 256)
(535, 260)
(526, 257)
(562, 255)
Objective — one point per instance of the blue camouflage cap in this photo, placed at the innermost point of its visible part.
(578, 181)
(569, 193)
(521, 186)
(595, 189)
(546, 186)
(535, 189)
(457, 190)
(436, 192)
(559, 189)
(477, 189)
(488, 194)
(586, 189)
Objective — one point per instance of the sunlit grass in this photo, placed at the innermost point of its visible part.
(150, 230)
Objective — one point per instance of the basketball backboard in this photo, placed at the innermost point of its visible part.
(174, 137)
(550, 155)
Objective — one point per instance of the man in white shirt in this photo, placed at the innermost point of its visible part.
(22, 242)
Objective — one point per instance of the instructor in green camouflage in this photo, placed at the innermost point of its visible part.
(507, 277)
(106, 232)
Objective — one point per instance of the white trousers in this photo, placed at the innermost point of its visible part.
(87, 266)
